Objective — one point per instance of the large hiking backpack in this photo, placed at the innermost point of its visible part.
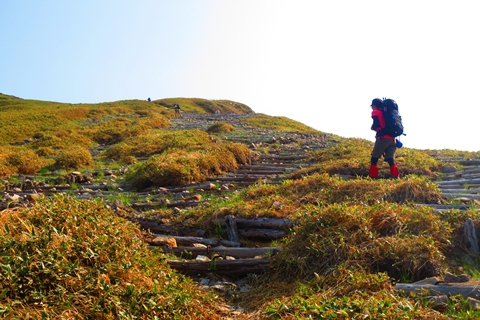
(393, 120)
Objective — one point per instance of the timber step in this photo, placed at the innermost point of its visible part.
(238, 267)
(460, 185)
(201, 255)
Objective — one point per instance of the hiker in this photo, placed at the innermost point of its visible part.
(178, 112)
(384, 143)
(149, 99)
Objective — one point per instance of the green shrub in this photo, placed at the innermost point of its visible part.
(5, 171)
(65, 258)
(381, 238)
(278, 123)
(14, 160)
(26, 161)
(73, 158)
(352, 157)
(177, 167)
(332, 189)
(221, 127)
(241, 152)
(158, 142)
(155, 142)
(45, 151)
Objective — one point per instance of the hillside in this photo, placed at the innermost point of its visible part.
(123, 210)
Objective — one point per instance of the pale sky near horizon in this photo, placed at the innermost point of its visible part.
(315, 61)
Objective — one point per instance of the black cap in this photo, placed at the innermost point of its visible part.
(377, 102)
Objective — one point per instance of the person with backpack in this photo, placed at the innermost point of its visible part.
(385, 137)
(178, 111)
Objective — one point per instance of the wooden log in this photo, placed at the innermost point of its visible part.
(282, 157)
(228, 243)
(462, 181)
(150, 206)
(189, 241)
(260, 172)
(264, 234)
(471, 237)
(195, 186)
(227, 179)
(451, 187)
(239, 267)
(469, 162)
(288, 165)
(232, 232)
(261, 167)
(238, 253)
(468, 172)
(184, 204)
(454, 181)
(153, 226)
(473, 191)
(261, 223)
(163, 229)
(259, 228)
(246, 183)
(460, 195)
(465, 290)
(443, 206)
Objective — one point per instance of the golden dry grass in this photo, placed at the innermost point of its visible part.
(65, 258)
(71, 259)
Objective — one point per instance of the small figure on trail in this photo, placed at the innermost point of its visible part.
(149, 99)
(178, 111)
(385, 144)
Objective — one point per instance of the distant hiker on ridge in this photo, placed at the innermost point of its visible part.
(385, 143)
(178, 112)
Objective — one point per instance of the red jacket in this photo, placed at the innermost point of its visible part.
(379, 124)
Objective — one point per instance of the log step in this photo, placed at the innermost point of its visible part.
(471, 291)
(238, 253)
(240, 267)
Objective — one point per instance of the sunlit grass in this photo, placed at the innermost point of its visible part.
(353, 236)
(76, 259)
(281, 124)
(204, 106)
(352, 157)
(221, 127)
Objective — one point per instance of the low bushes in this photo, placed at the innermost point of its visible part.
(71, 259)
(18, 160)
(341, 260)
(177, 167)
(73, 158)
(156, 142)
(281, 124)
(327, 189)
(352, 157)
(221, 127)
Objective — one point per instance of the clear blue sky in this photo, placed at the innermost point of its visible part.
(316, 61)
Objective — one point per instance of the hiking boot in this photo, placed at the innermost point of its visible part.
(373, 171)
(394, 171)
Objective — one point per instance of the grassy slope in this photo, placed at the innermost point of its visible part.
(350, 234)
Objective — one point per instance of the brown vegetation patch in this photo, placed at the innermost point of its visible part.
(76, 259)
(73, 158)
(332, 189)
(18, 160)
(352, 157)
(357, 237)
(178, 167)
(221, 127)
